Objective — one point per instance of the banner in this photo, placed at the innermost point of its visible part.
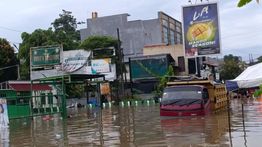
(4, 121)
(201, 30)
(74, 60)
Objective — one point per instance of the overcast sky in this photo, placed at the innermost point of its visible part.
(241, 28)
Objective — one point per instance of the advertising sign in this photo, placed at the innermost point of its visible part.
(77, 62)
(101, 65)
(105, 88)
(201, 30)
(74, 60)
(45, 55)
(144, 67)
(4, 121)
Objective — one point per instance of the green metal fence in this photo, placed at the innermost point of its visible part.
(29, 106)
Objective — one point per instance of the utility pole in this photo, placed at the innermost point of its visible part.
(120, 89)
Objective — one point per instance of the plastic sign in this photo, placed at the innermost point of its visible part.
(201, 30)
(4, 121)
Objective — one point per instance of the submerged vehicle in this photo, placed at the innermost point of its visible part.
(185, 101)
(192, 98)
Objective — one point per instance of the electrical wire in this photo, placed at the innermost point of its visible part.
(10, 29)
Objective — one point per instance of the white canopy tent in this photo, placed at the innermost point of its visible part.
(251, 77)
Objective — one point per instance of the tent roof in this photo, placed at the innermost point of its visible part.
(251, 77)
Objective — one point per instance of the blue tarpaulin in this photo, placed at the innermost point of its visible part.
(231, 85)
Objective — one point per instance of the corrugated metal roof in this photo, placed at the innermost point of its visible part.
(27, 87)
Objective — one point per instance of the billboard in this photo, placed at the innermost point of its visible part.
(49, 55)
(148, 67)
(74, 60)
(4, 121)
(201, 30)
(101, 65)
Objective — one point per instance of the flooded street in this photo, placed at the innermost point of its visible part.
(139, 126)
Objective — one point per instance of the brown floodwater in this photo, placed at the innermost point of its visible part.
(139, 126)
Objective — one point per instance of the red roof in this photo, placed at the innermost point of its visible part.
(27, 87)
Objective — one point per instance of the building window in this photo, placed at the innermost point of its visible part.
(178, 29)
(178, 24)
(172, 26)
(178, 39)
(165, 23)
(172, 37)
(165, 34)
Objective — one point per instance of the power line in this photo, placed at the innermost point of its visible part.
(10, 29)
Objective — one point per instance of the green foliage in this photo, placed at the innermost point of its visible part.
(241, 3)
(259, 59)
(231, 67)
(94, 42)
(163, 81)
(64, 33)
(66, 22)
(74, 90)
(258, 92)
(7, 58)
(37, 38)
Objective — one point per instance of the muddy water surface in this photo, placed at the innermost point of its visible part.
(139, 126)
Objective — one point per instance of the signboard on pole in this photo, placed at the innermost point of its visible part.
(201, 30)
(49, 55)
(4, 121)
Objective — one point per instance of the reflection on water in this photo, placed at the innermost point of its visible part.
(139, 126)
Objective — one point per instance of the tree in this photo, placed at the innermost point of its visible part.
(65, 30)
(259, 59)
(242, 3)
(163, 81)
(64, 33)
(7, 59)
(66, 22)
(38, 38)
(94, 42)
(231, 67)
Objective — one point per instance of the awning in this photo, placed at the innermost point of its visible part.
(27, 87)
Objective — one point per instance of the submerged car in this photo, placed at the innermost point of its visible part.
(185, 100)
